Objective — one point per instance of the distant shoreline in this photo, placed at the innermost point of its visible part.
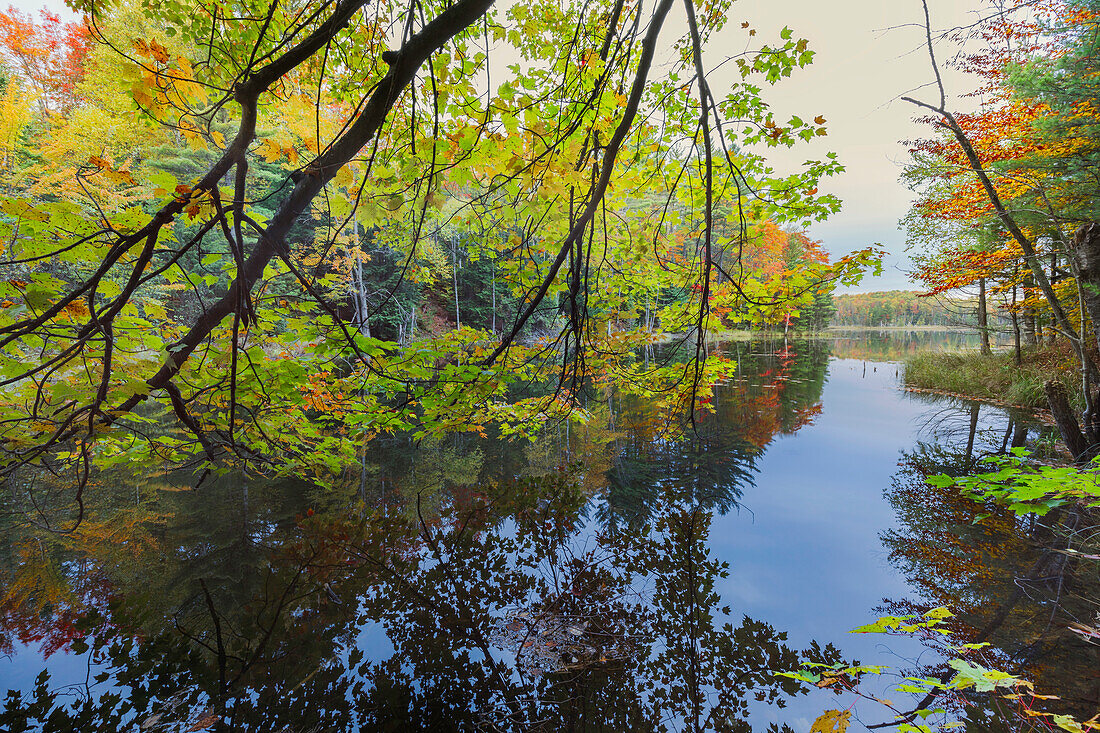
(952, 329)
(746, 335)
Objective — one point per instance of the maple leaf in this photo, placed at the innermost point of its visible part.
(832, 721)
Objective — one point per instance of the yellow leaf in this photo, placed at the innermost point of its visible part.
(184, 69)
(22, 210)
(831, 721)
(269, 150)
(1068, 723)
(141, 95)
(119, 177)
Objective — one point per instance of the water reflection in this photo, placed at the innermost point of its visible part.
(1008, 578)
(898, 344)
(426, 588)
(571, 583)
(505, 610)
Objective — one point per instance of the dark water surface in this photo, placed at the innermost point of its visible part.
(604, 577)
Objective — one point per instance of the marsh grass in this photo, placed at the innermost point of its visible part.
(996, 376)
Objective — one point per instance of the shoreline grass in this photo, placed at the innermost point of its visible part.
(996, 376)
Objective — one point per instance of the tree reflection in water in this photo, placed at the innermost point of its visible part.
(1007, 577)
(505, 612)
(428, 590)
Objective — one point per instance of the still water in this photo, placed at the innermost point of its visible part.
(600, 578)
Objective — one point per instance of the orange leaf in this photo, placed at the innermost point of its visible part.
(158, 52)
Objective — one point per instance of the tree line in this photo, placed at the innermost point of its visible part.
(908, 308)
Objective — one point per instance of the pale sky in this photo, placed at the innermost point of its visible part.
(869, 53)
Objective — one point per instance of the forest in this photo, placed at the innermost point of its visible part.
(427, 365)
(903, 308)
(1006, 203)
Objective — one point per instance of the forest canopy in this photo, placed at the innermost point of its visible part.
(286, 229)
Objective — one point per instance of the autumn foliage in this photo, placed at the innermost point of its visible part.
(1033, 131)
(48, 54)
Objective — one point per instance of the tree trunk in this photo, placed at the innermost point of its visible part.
(1086, 255)
(1008, 434)
(361, 300)
(1066, 421)
(983, 318)
(1019, 435)
(454, 256)
(1029, 312)
(1052, 333)
(1017, 355)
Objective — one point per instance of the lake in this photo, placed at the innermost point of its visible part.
(607, 576)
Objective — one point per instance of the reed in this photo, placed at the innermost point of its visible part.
(995, 376)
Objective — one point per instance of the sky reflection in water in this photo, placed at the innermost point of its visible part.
(786, 485)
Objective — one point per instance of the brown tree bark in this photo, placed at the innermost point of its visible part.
(1066, 420)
